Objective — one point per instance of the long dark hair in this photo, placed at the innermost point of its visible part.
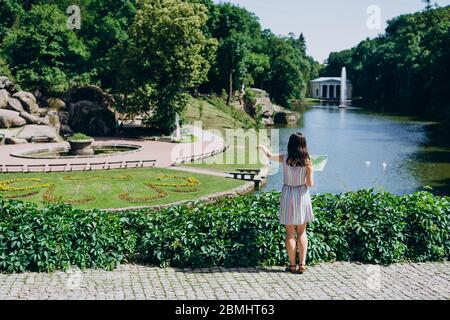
(298, 155)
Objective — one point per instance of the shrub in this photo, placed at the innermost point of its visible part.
(57, 237)
(80, 136)
(242, 232)
(428, 229)
(356, 226)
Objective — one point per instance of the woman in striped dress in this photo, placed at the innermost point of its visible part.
(295, 203)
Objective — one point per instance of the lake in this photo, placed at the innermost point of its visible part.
(369, 150)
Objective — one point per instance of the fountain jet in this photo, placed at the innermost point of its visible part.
(343, 88)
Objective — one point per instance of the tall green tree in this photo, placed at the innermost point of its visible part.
(406, 69)
(105, 24)
(43, 53)
(335, 62)
(237, 31)
(10, 13)
(167, 55)
(288, 74)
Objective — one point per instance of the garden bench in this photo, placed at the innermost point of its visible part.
(243, 176)
(36, 168)
(256, 171)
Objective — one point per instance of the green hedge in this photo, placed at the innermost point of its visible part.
(357, 226)
(57, 237)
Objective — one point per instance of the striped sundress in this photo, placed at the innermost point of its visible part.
(295, 202)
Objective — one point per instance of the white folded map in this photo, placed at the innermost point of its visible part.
(319, 162)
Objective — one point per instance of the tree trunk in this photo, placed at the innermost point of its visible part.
(230, 91)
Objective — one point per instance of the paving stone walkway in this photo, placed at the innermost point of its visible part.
(339, 280)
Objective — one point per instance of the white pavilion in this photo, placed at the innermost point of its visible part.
(329, 88)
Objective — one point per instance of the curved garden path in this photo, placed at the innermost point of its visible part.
(165, 153)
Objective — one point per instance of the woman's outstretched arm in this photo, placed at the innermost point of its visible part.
(310, 175)
(270, 155)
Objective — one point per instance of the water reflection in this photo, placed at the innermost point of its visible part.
(371, 150)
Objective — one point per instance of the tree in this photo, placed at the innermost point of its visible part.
(167, 55)
(258, 64)
(105, 24)
(237, 31)
(43, 53)
(335, 62)
(232, 54)
(288, 74)
(406, 69)
(10, 13)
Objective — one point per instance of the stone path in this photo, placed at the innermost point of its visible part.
(165, 153)
(201, 171)
(339, 280)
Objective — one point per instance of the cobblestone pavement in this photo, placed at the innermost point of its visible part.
(325, 281)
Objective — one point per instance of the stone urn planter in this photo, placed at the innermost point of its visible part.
(81, 147)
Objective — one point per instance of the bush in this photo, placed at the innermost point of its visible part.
(80, 136)
(356, 226)
(57, 237)
(242, 232)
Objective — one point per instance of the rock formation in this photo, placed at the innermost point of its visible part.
(83, 109)
(262, 101)
(89, 111)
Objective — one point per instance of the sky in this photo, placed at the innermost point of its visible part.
(329, 25)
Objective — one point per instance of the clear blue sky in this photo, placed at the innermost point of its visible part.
(328, 25)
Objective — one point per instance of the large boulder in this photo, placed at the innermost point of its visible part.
(15, 105)
(267, 109)
(40, 112)
(91, 118)
(9, 119)
(32, 131)
(89, 111)
(4, 96)
(28, 100)
(88, 93)
(31, 119)
(64, 117)
(285, 117)
(56, 103)
(53, 119)
(65, 130)
(7, 84)
(268, 122)
(24, 95)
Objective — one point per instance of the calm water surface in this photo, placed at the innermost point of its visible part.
(358, 142)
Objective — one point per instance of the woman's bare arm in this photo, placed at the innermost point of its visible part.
(310, 175)
(270, 155)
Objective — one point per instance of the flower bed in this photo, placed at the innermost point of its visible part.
(8, 190)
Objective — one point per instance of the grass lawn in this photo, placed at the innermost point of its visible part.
(113, 189)
(215, 114)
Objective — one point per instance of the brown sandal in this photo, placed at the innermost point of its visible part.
(301, 268)
(291, 268)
